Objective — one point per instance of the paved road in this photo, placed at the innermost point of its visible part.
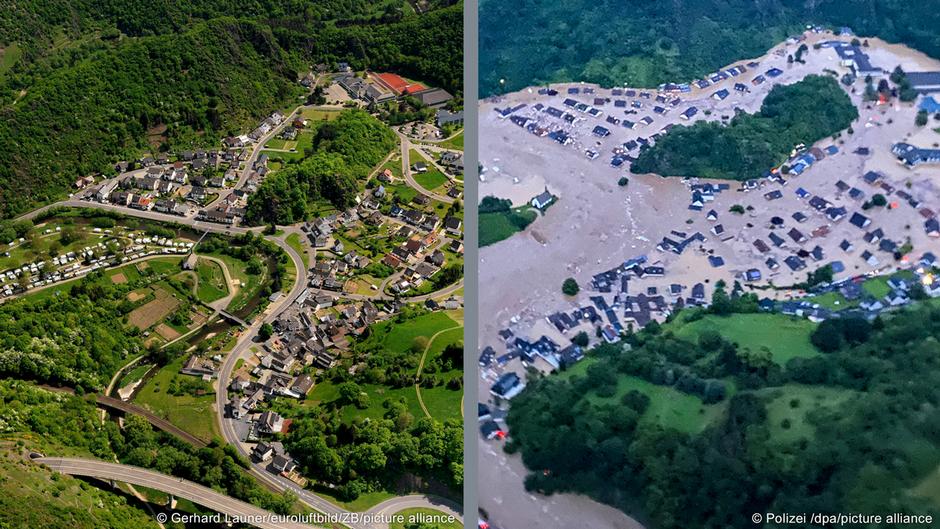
(394, 505)
(406, 171)
(178, 487)
(244, 342)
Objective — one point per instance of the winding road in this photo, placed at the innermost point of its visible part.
(406, 171)
(177, 487)
(203, 495)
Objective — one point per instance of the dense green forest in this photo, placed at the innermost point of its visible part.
(343, 153)
(751, 144)
(99, 82)
(647, 43)
(85, 109)
(371, 455)
(77, 340)
(854, 429)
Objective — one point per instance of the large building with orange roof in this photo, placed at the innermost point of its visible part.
(398, 84)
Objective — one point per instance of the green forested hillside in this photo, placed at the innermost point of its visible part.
(646, 43)
(84, 111)
(752, 144)
(650, 430)
(98, 82)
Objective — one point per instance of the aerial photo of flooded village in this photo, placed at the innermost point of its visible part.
(589, 249)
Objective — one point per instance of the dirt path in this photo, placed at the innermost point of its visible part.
(424, 356)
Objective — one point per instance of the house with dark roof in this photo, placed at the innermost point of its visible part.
(859, 221)
(543, 200)
(796, 235)
(852, 56)
(434, 97)
(924, 82)
(932, 227)
(507, 386)
(912, 156)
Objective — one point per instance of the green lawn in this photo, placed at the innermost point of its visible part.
(402, 191)
(668, 407)
(251, 283)
(454, 142)
(784, 336)
(877, 287)
(495, 227)
(279, 143)
(320, 114)
(361, 504)
(930, 487)
(211, 286)
(196, 415)
(134, 374)
(9, 55)
(833, 301)
(130, 271)
(38, 248)
(393, 165)
(788, 407)
(431, 180)
(295, 242)
(442, 403)
(420, 515)
(399, 337)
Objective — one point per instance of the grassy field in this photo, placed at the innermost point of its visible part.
(154, 311)
(238, 270)
(40, 246)
(363, 503)
(441, 402)
(419, 515)
(8, 57)
(834, 301)
(783, 336)
(297, 244)
(668, 407)
(393, 165)
(789, 406)
(134, 374)
(454, 142)
(431, 180)
(402, 191)
(196, 415)
(320, 114)
(130, 272)
(930, 487)
(278, 143)
(211, 286)
(495, 227)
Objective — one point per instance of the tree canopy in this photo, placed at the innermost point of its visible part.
(123, 80)
(859, 428)
(344, 152)
(644, 43)
(751, 144)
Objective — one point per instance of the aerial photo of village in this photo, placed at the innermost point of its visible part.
(264, 329)
(700, 293)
